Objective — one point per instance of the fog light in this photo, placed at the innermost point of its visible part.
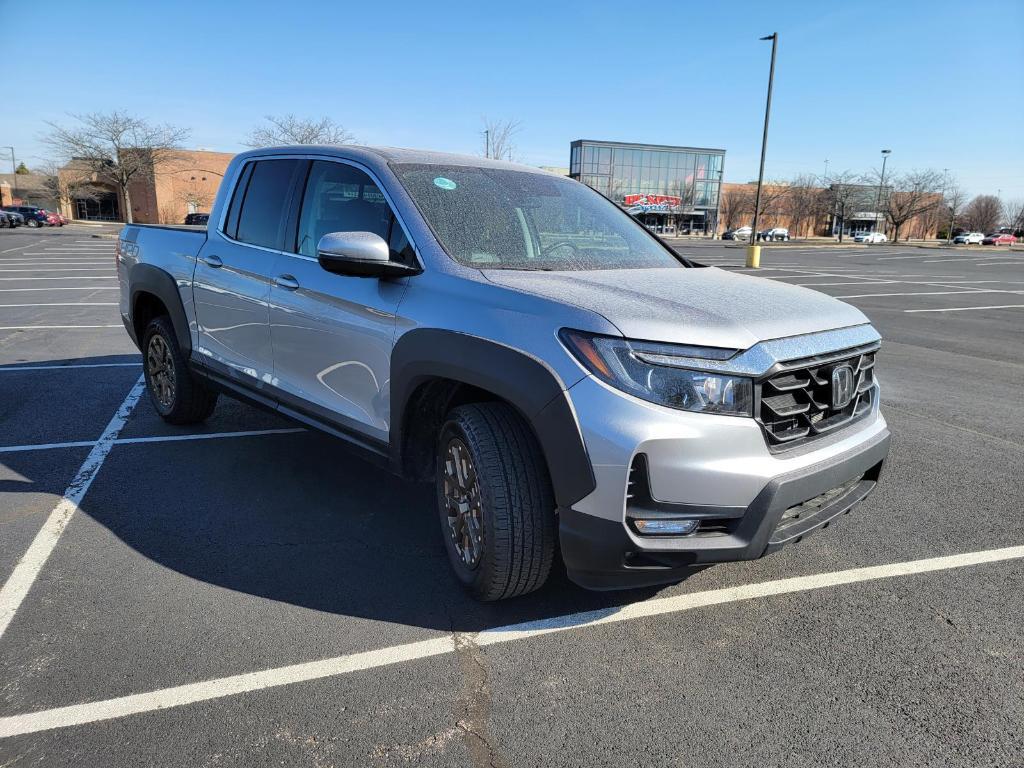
(666, 527)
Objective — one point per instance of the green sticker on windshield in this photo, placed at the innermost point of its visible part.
(444, 183)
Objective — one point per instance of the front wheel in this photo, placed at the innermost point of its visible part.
(178, 396)
(494, 498)
(33, 223)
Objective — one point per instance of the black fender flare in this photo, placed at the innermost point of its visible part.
(425, 354)
(146, 278)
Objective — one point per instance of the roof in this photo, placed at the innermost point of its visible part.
(632, 145)
(373, 155)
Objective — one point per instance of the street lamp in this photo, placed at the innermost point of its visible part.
(754, 251)
(881, 183)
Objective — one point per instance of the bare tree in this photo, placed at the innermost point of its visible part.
(845, 191)
(289, 129)
(982, 214)
(735, 205)
(116, 147)
(910, 196)
(498, 138)
(802, 203)
(954, 198)
(1013, 215)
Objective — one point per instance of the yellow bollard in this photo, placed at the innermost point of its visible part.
(753, 256)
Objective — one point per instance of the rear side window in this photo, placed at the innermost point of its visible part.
(262, 214)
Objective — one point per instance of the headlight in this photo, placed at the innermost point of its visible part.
(653, 372)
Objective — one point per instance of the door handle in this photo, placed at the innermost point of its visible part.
(286, 281)
(213, 261)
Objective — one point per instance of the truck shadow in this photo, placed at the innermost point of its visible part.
(295, 518)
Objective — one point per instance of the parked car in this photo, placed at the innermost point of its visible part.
(197, 219)
(499, 347)
(968, 238)
(11, 219)
(34, 217)
(774, 234)
(999, 238)
(740, 233)
(53, 219)
(870, 237)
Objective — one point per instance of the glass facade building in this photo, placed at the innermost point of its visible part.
(670, 189)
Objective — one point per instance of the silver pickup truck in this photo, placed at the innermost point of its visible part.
(565, 379)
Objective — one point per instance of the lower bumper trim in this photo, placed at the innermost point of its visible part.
(600, 554)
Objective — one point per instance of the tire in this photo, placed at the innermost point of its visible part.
(33, 223)
(178, 396)
(504, 477)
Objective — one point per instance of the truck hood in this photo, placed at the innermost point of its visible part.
(704, 306)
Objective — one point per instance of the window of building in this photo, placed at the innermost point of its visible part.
(262, 214)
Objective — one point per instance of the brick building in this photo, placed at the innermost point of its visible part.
(808, 211)
(187, 183)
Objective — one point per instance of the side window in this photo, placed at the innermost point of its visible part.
(231, 222)
(341, 198)
(262, 215)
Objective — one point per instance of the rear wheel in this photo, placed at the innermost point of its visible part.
(33, 223)
(178, 396)
(494, 498)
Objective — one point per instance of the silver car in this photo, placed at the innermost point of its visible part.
(562, 377)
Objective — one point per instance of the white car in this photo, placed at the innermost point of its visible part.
(870, 237)
(775, 233)
(969, 238)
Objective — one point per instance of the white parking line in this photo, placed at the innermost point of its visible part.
(19, 248)
(56, 264)
(92, 712)
(5, 369)
(59, 269)
(67, 304)
(926, 293)
(54, 327)
(59, 288)
(27, 570)
(151, 439)
(965, 309)
(75, 276)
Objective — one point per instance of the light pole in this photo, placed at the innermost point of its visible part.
(487, 142)
(881, 183)
(754, 251)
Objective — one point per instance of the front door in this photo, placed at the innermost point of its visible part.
(234, 273)
(333, 334)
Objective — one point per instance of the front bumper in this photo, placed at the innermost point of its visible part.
(600, 553)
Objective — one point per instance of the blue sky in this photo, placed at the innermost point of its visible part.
(939, 83)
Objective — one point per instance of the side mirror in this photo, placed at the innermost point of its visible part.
(360, 254)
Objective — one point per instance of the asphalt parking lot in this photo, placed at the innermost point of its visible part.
(247, 593)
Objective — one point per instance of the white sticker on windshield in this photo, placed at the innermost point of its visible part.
(444, 183)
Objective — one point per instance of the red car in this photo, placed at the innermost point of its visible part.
(999, 238)
(53, 219)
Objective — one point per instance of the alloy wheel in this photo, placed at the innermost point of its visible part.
(160, 367)
(463, 502)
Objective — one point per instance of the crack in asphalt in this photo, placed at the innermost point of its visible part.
(476, 702)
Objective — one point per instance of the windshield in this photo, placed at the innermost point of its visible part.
(501, 219)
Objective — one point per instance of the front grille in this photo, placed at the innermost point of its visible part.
(795, 402)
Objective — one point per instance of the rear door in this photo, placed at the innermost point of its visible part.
(333, 334)
(234, 272)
